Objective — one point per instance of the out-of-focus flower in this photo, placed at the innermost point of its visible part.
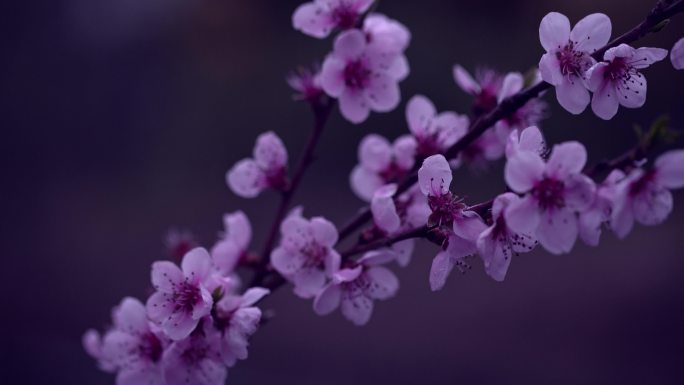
(307, 83)
(266, 169)
(320, 17)
(434, 132)
(568, 55)
(644, 195)
(677, 54)
(593, 218)
(484, 87)
(529, 139)
(231, 248)
(617, 80)
(355, 287)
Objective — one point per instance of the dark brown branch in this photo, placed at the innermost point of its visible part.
(420, 232)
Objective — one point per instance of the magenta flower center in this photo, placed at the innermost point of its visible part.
(315, 254)
(150, 347)
(642, 184)
(444, 208)
(622, 71)
(573, 62)
(186, 297)
(549, 193)
(195, 353)
(357, 75)
(345, 16)
(392, 173)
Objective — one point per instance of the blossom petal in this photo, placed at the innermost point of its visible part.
(465, 81)
(572, 95)
(159, 306)
(166, 275)
(238, 228)
(580, 191)
(404, 150)
(383, 93)
(375, 153)
(434, 176)
(353, 106)
(677, 54)
(311, 19)
(357, 309)
(308, 282)
(403, 251)
(270, 152)
(590, 222)
(364, 182)
(622, 216)
(652, 207)
(350, 44)
(646, 56)
(324, 232)
(130, 316)
(226, 255)
(591, 33)
(179, 325)
(632, 92)
(246, 179)
(383, 283)
(469, 226)
(554, 31)
(384, 210)
(566, 159)
(327, 300)
(196, 264)
(285, 262)
(441, 267)
(670, 169)
(512, 83)
(557, 231)
(523, 170)
(495, 254)
(399, 69)
(332, 76)
(419, 113)
(549, 69)
(523, 216)
(605, 101)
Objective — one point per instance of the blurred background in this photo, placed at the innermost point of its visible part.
(121, 117)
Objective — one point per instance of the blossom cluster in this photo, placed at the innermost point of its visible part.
(199, 318)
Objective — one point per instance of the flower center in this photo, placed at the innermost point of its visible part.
(444, 208)
(315, 254)
(195, 353)
(344, 15)
(356, 75)
(150, 347)
(641, 184)
(573, 62)
(186, 297)
(392, 173)
(549, 193)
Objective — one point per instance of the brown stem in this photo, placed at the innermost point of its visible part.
(420, 232)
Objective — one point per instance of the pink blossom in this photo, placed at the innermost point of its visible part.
(319, 17)
(231, 248)
(529, 139)
(355, 287)
(92, 344)
(567, 56)
(644, 195)
(554, 192)
(381, 162)
(360, 76)
(617, 80)
(306, 256)
(307, 83)
(196, 359)
(266, 169)
(530, 114)
(434, 132)
(134, 345)
(677, 54)
(593, 218)
(485, 87)
(462, 227)
(178, 243)
(392, 215)
(391, 38)
(237, 319)
(498, 243)
(181, 298)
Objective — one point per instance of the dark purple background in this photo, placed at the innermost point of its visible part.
(120, 118)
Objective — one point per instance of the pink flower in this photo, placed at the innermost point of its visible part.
(380, 163)
(434, 132)
(178, 243)
(677, 54)
(307, 83)
(530, 114)
(181, 299)
(617, 80)
(267, 168)
(460, 226)
(567, 56)
(237, 320)
(231, 248)
(319, 17)
(644, 195)
(485, 88)
(134, 345)
(355, 287)
(554, 192)
(393, 215)
(530, 139)
(360, 76)
(498, 242)
(92, 344)
(306, 255)
(389, 37)
(593, 218)
(196, 359)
